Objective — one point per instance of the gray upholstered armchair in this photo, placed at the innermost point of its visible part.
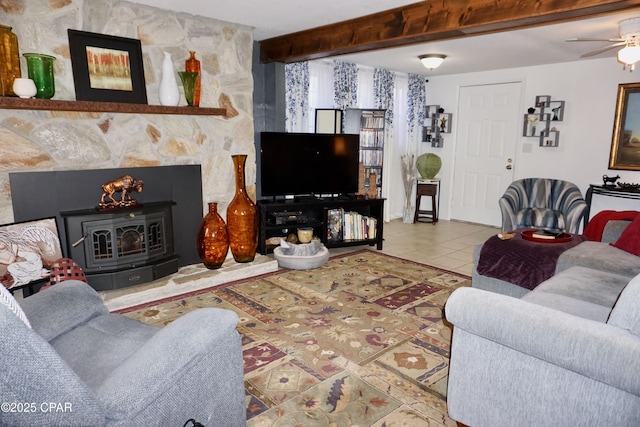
(79, 365)
(542, 202)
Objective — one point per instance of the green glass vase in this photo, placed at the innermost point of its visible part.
(40, 70)
(189, 82)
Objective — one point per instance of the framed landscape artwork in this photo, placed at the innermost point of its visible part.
(625, 144)
(107, 68)
(27, 251)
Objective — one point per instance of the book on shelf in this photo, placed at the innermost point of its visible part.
(547, 234)
(359, 227)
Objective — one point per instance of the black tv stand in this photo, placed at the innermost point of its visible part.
(314, 212)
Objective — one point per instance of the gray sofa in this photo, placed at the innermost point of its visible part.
(79, 365)
(566, 353)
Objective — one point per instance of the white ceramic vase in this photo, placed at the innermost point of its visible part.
(24, 88)
(168, 92)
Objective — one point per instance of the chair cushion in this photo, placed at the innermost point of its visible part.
(580, 291)
(626, 313)
(540, 217)
(95, 349)
(629, 240)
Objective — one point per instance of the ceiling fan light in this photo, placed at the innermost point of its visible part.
(432, 60)
(629, 55)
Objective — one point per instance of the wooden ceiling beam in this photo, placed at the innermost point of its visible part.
(427, 21)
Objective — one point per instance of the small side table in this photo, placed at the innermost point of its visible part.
(427, 188)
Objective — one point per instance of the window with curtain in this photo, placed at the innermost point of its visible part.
(341, 85)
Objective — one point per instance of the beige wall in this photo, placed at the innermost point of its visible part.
(44, 140)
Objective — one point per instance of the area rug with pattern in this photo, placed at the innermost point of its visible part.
(360, 341)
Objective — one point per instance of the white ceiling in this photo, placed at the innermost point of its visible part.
(528, 47)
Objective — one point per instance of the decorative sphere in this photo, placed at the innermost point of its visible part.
(428, 165)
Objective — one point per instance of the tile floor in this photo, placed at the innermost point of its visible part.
(445, 244)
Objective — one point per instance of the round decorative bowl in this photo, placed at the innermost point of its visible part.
(301, 262)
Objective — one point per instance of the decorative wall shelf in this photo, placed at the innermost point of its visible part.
(13, 103)
(438, 122)
(537, 121)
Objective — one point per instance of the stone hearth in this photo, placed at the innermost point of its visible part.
(188, 279)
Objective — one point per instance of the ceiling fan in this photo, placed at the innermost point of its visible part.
(629, 38)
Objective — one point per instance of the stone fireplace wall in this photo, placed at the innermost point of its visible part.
(52, 141)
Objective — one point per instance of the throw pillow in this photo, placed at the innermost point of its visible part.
(7, 299)
(629, 240)
(64, 269)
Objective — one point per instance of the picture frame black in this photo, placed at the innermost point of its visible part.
(27, 250)
(121, 80)
(625, 145)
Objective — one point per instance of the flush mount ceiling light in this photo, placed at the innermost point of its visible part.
(432, 60)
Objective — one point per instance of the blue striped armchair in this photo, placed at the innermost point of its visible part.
(544, 203)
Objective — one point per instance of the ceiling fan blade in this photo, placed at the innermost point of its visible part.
(586, 39)
(599, 51)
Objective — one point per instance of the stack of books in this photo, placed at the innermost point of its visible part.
(350, 226)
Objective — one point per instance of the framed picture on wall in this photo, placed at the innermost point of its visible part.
(107, 68)
(625, 143)
(27, 251)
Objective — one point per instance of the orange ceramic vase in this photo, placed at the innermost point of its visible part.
(192, 65)
(242, 218)
(213, 239)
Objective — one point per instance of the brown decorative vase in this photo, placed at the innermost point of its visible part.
(242, 218)
(213, 238)
(9, 60)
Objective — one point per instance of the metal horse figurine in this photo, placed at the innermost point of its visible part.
(124, 185)
(610, 181)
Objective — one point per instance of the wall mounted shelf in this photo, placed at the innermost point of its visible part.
(437, 123)
(104, 107)
(538, 120)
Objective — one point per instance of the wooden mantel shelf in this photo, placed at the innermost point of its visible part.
(103, 107)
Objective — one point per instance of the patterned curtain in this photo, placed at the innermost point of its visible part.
(296, 96)
(345, 84)
(383, 92)
(383, 96)
(416, 104)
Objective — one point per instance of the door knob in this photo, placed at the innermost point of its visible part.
(509, 167)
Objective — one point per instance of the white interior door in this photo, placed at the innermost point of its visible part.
(487, 129)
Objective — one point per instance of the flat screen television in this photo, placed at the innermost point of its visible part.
(308, 164)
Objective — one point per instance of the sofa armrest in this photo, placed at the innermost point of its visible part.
(200, 352)
(60, 308)
(595, 350)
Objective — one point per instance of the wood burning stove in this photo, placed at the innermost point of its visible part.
(175, 190)
(122, 247)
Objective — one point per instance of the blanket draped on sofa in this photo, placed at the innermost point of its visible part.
(522, 262)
